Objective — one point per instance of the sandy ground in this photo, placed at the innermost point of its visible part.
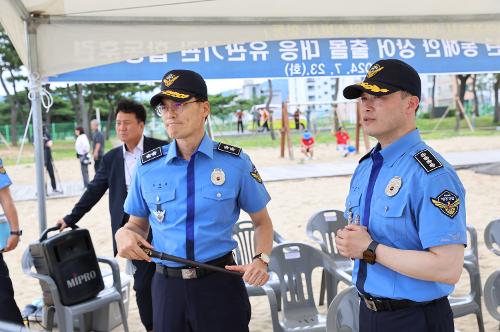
(293, 202)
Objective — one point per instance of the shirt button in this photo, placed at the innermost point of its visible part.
(219, 195)
(386, 208)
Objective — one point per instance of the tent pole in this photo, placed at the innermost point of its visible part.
(36, 109)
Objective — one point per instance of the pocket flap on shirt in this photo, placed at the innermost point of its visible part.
(160, 196)
(393, 209)
(353, 200)
(218, 193)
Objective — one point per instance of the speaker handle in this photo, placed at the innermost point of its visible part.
(43, 237)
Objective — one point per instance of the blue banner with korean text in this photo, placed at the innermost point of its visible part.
(299, 58)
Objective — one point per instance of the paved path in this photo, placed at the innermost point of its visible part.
(288, 172)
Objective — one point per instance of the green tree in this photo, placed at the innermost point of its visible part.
(222, 106)
(462, 87)
(10, 77)
(246, 104)
(110, 93)
(74, 102)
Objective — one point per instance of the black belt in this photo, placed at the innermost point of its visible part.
(383, 304)
(186, 272)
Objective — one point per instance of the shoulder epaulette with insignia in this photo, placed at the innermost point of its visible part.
(151, 155)
(365, 156)
(234, 150)
(427, 160)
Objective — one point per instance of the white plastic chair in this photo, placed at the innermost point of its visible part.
(343, 313)
(243, 233)
(293, 263)
(327, 223)
(492, 236)
(492, 295)
(470, 303)
(8, 327)
(67, 314)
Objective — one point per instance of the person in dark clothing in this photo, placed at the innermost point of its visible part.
(47, 155)
(114, 173)
(97, 143)
(296, 119)
(239, 118)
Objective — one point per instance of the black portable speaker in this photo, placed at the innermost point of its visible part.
(69, 258)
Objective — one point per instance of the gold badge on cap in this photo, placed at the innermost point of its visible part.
(170, 79)
(218, 177)
(374, 70)
(393, 186)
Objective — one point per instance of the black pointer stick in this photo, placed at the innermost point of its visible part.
(188, 262)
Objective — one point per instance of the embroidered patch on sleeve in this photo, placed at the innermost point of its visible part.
(255, 174)
(151, 155)
(447, 202)
(427, 160)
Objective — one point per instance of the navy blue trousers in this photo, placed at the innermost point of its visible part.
(9, 311)
(434, 317)
(217, 302)
(142, 286)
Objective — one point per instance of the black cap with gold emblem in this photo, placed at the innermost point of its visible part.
(386, 77)
(181, 85)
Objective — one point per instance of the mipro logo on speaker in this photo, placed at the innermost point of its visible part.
(78, 280)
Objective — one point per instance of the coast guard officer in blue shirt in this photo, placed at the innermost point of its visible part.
(190, 192)
(9, 311)
(406, 208)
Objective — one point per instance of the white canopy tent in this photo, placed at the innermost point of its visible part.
(56, 36)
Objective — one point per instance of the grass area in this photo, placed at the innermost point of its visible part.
(264, 139)
(61, 149)
(64, 149)
(484, 127)
(483, 122)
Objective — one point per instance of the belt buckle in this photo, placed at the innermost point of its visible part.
(370, 304)
(188, 273)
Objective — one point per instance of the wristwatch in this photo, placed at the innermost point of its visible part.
(18, 233)
(369, 254)
(263, 257)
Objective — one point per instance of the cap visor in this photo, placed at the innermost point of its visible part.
(371, 87)
(174, 95)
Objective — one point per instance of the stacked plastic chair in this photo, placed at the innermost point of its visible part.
(492, 285)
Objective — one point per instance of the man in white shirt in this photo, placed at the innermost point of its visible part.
(82, 147)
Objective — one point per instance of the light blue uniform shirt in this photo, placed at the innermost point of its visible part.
(164, 184)
(4, 178)
(415, 218)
